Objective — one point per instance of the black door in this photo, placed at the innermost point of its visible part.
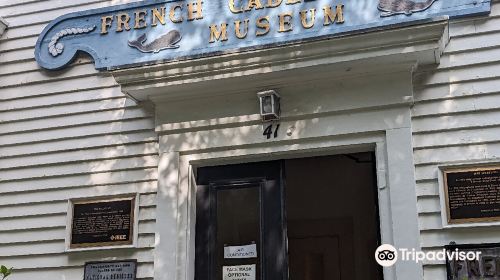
(240, 222)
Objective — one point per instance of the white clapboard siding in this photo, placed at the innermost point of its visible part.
(451, 91)
(8, 3)
(63, 135)
(430, 221)
(19, 67)
(92, 129)
(109, 154)
(20, 43)
(143, 175)
(460, 74)
(463, 137)
(13, 80)
(56, 87)
(40, 112)
(87, 167)
(428, 205)
(38, 205)
(456, 106)
(425, 189)
(71, 120)
(41, 6)
(27, 236)
(63, 98)
(30, 149)
(23, 31)
(80, 154)
(456, 117)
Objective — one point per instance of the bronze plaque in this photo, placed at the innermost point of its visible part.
(472, 194)
(102, 223)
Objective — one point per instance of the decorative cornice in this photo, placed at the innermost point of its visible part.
(371, 52)
(3, 26)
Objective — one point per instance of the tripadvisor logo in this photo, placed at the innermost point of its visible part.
(387, 255)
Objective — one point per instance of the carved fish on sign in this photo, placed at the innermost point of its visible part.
(117, 41)
(408, 7)
(165, 41)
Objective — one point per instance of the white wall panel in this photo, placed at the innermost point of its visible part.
(65, 134)
(456, 118)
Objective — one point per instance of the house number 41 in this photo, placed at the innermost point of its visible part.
(269, 131)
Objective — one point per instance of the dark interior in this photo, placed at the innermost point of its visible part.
(332, 217)
(309, 218)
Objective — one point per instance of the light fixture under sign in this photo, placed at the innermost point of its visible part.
(269, 105)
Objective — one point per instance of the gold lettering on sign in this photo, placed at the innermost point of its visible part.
(140, 21)
(216, 34)
(195, 14)
(172, 14)
(158, 16)
(272, 4)
(330, 16)
(285, 22)
(122, 20)
(190, 10)
(106, 22)
(245, 28)
(303, 17)
(233, 8)
(263, 23)
(253, 4)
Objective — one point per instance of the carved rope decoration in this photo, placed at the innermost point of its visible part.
(56, 48)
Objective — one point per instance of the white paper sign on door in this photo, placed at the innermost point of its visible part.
(239, 272)
(240, 252)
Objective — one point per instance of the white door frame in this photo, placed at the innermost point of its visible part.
(395, 180)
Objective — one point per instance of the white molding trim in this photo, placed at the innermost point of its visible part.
(395, 177)
(397, 200)
(166, 230)
(370, 52)
(3, 26)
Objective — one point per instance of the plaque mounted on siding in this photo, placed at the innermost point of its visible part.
(102, 223)
(116, 270)
(472, 194)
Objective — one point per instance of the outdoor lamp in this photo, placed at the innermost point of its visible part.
(269, 105)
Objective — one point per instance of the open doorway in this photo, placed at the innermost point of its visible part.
(332, 217)
(298, 219)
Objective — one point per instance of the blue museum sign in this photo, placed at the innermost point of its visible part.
(151, 32)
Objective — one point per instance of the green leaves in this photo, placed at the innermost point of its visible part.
(4, 271)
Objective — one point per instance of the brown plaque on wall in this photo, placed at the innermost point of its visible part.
(472, 194)
(99, 223)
